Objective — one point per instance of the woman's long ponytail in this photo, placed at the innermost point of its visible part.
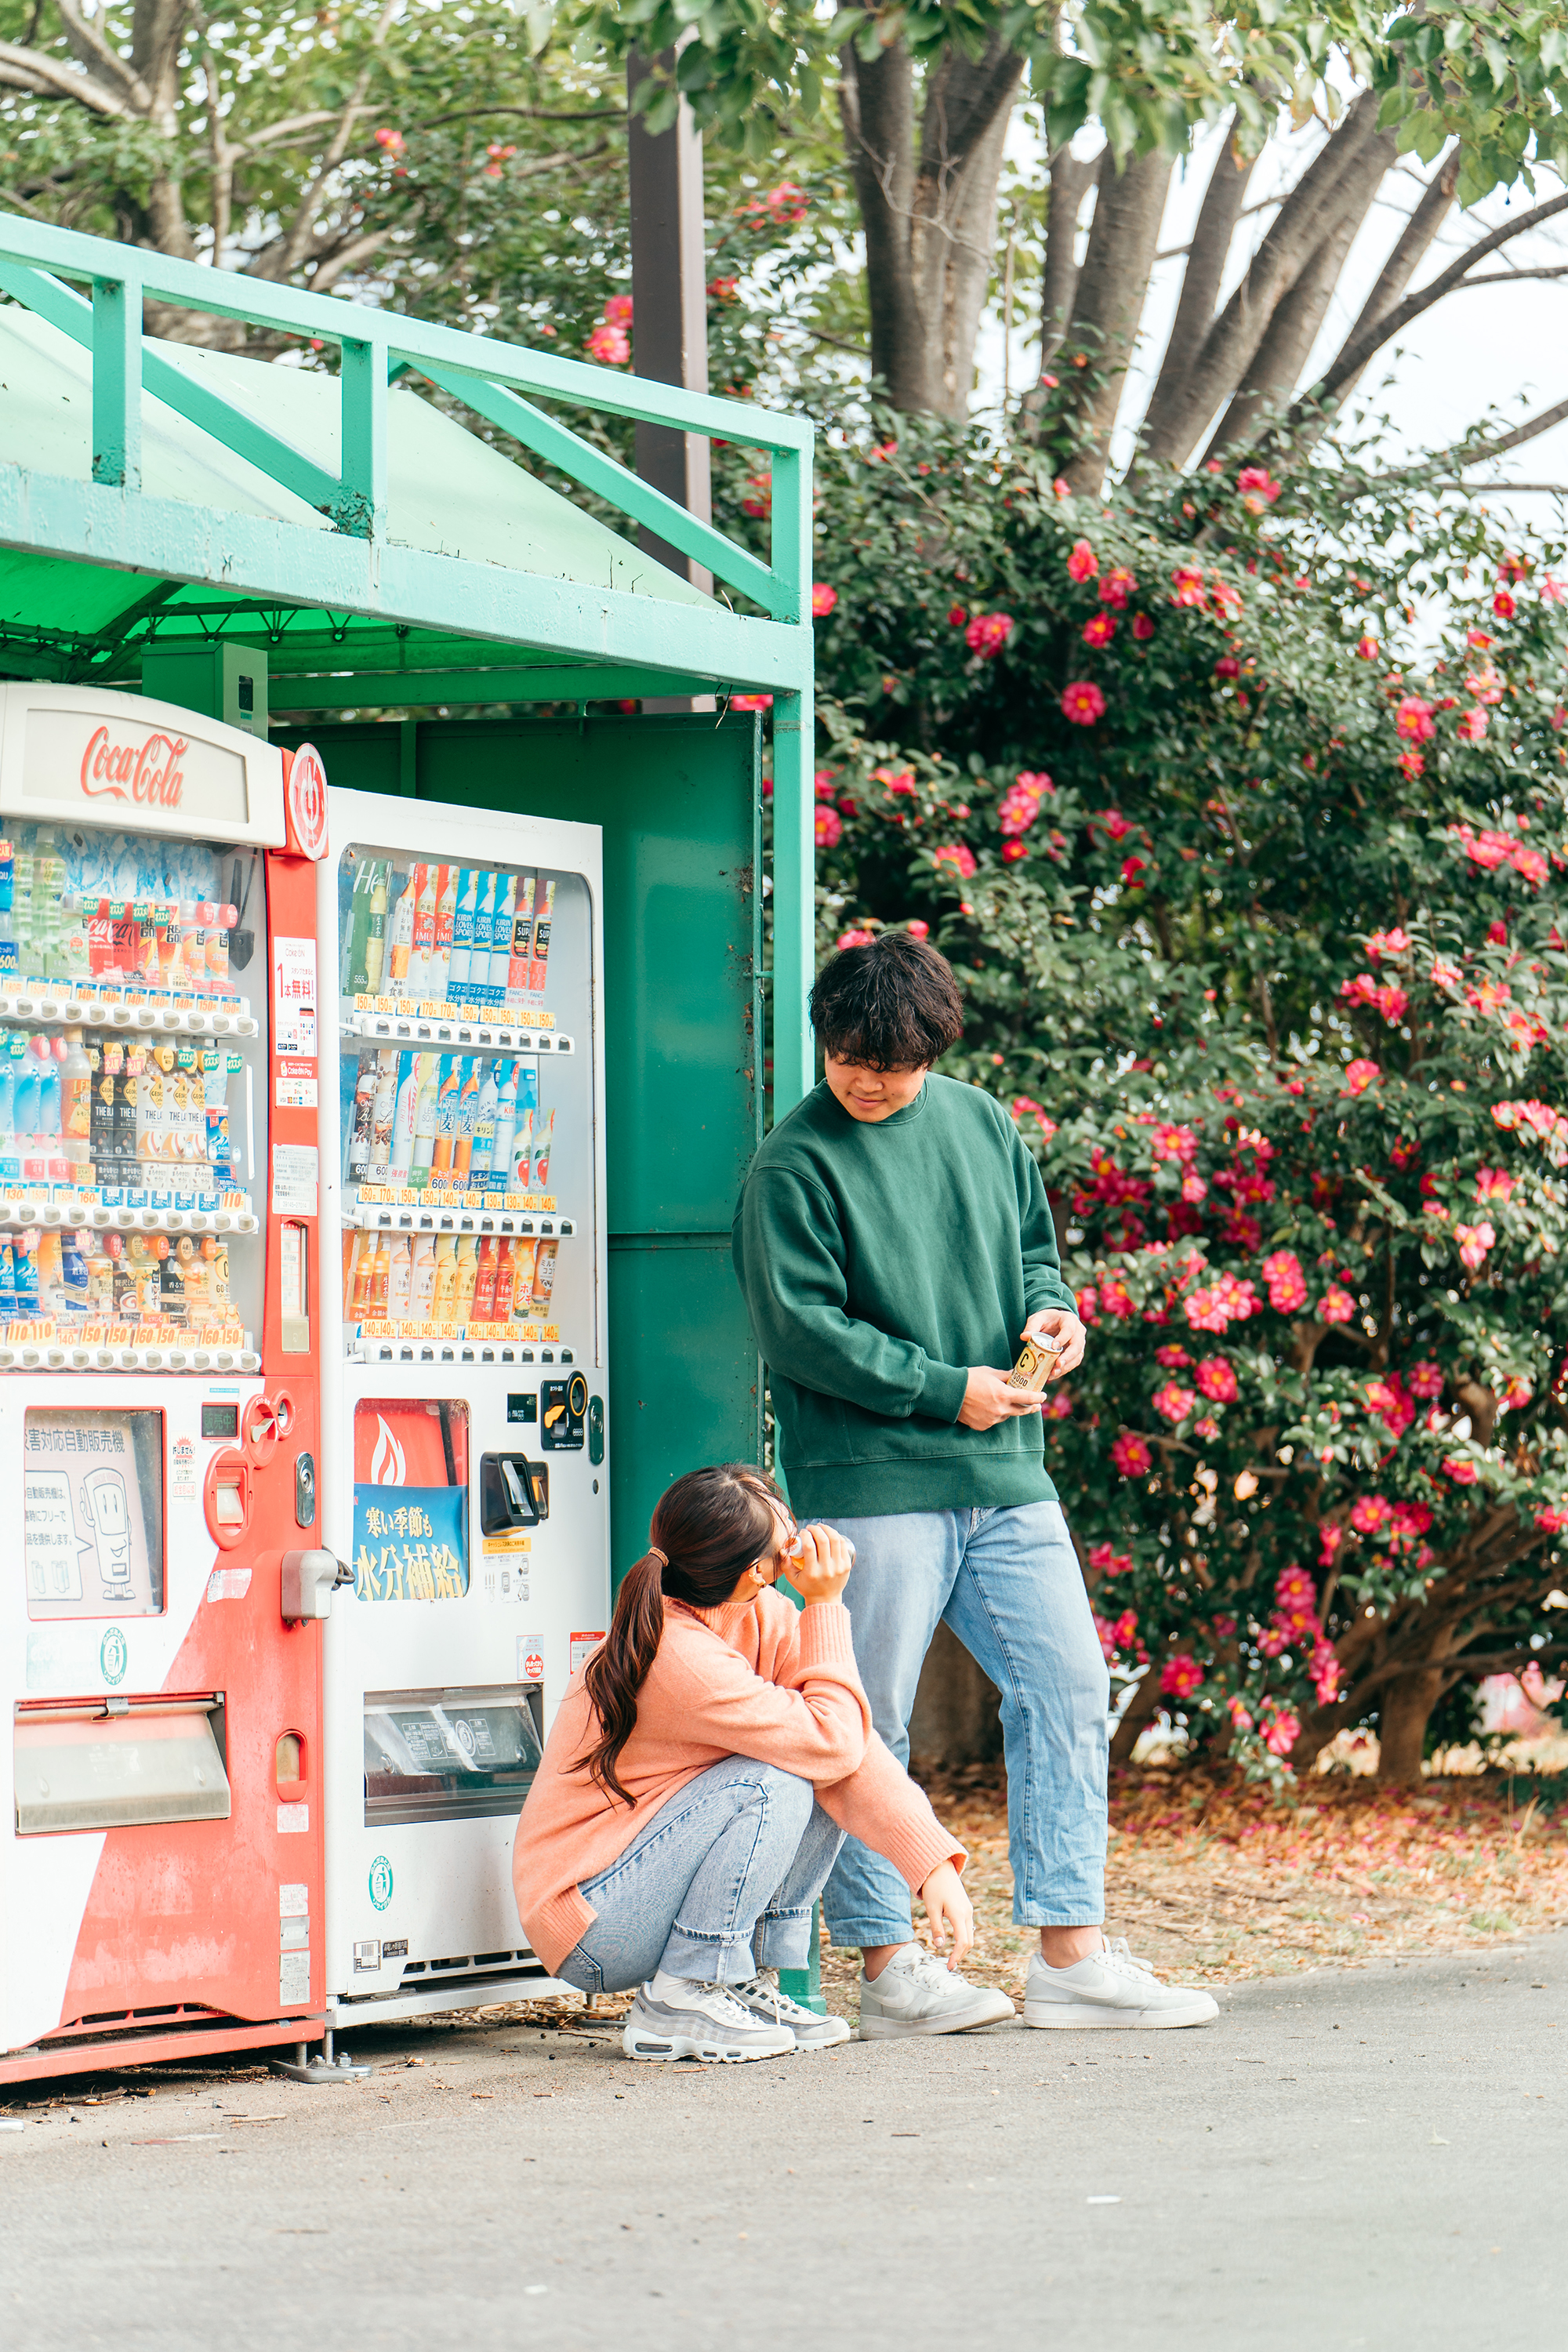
(707, 1530)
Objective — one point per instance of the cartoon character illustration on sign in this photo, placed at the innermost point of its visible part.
(107, 1510)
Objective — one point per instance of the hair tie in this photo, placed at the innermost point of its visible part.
(654, 1553)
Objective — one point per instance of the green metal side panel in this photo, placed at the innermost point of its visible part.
(676, 797)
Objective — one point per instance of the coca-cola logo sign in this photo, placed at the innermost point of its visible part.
(150, 772)
(305, 796)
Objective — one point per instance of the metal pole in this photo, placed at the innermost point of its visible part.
(669, 305)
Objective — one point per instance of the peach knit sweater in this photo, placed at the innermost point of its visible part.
(759, 1679)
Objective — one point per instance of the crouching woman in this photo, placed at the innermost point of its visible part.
(699, 1777)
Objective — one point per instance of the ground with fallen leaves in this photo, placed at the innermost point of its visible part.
(1211, 1879)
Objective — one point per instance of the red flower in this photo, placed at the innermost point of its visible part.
(1013, 850)
(1100, 631)
(1142, 628)
(1132, 874)
(391, 143)
(619, 309)
(1083, 703)
(1258, 490)
(1471, 725)
(1503, 604)
(918, 930)
(1181, 1676)
(1366, 649)
(609, 345)
(1131, 1454)
(987, 633)
(1228, 666)
(1462, 1473)
(958, 855)
(1082, 563)
(829, 828)
(855, 939)
(823, 600)
(1413, 719)
(957, 615)
(750, 702)
(722, 290)
(1117, 586)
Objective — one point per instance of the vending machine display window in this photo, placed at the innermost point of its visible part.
(93, 1506)
(410, 1499)
(465, 1103)
(128, 1149)
(450, 1755)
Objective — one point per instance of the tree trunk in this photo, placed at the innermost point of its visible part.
(1111, 290)
(929, 221)
(1136, 1716)
(1201, 281)
(1293, 330)
(1070, 182)
(1408, 1703)
(1308, 217)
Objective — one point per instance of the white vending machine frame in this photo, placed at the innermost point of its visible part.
(420, 1910)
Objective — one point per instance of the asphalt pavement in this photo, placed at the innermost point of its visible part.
(1375, 2157)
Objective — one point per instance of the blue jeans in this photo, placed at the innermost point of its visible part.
(720, 1882)
(1009, 1583)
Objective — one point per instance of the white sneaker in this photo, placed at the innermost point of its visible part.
(918, 1993)
(764, 1998)
(1111, 1988)
(706, 2023)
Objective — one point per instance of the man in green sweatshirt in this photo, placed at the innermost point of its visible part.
(895, 1246)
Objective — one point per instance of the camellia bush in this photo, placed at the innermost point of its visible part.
(1240, 812)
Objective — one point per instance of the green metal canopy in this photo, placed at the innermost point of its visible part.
(160, 492)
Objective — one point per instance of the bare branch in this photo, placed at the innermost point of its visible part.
(1362, 347)
(85, 43)
(47, 78)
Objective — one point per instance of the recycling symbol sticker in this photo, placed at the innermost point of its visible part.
(381, 1881)
(113, 1657)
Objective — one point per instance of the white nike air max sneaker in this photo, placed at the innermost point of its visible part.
(1111, 1988)
(918, 1993)
(707, 2021)
(764, 2000)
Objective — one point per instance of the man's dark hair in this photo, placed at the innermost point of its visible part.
(893, 1004)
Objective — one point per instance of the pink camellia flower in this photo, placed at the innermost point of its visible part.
(1516, 1395)
(619, 309)
(1336, 1306)
(1181, 1676)
(1224, 1301)
(855, 939)
(1359, 1075)
(1258, 490)
(1216, 1377)
(1369, 1513)
(1083, 703)
(1389, 1400)
(1193, 1187)
(1287, 1283)
(958, 855)
(1445, 975)
(1425, 1379)
(1117, 586)
(757, 495)
(1208, 1427)
(1366, 649)
(1411, 764)
(1101, 630)
(917, 930)
(1504, 606)
(1413, 719)
(1471, 725)
(1130, 1453)
(750, 702)
(1172, 1358)
(827, 783)
(1474, 1242)
(987, 633)
(1061, 488)
(1172, 1401)
(1553, 1518)
(1133, 874)
(1462, 1473)
(1485, 684)
(823, 600)
(1389, 944)
(724, 290)
(957, 615)
(391, 143)
(1142, 628)
(1012, 851)
(1494, 1184)
(1082, 562)
(829, 828)
(1238, 1714)
(610, 346)
(897, 783)
(1228, 666)
(1282, 1733)
(1169, 1142)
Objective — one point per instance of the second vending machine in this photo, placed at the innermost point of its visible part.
(465, 1374)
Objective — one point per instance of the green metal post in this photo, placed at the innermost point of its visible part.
(362, 502)
(795, 895)
(117, 383)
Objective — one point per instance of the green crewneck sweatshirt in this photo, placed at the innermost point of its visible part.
(880, 1261)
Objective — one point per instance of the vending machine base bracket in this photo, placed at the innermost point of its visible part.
(322, 2068)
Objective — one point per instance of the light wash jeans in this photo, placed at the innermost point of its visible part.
(1009, 1583)
(720, 1882)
